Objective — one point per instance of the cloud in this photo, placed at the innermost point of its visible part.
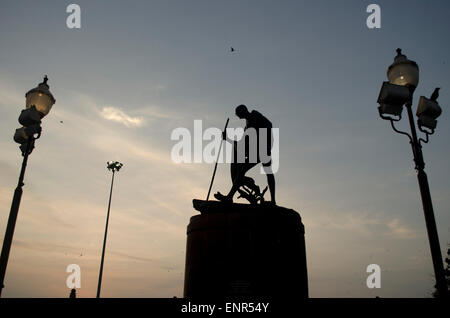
(366, 225)
(118, 115)
(401, 230)
(356, 223)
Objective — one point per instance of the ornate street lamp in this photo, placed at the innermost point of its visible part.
(403, 77)
(112, 166)
(403, 72)
(40, 97)
(38, 103)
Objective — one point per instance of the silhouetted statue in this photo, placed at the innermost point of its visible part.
(245, 185)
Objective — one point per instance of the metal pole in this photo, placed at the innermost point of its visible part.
(7, 241)
(433, 238)
(104, 239)
(217, 161)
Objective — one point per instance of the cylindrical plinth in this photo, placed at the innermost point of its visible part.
(246, 251)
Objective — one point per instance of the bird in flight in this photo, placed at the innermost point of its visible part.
(435, 94)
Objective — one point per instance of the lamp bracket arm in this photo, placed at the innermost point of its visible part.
(425, 141)
(399, 131)
(388, 117)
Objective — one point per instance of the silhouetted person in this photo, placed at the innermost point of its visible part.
(435, 94)
(238, 169)
(73, 293)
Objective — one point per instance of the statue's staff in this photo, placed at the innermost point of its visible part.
(218, 154)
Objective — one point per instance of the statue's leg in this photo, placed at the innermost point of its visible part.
(237, 172)
(241, 170)
(270, 180)
(271, 183)
(268, 168)
(234, 170)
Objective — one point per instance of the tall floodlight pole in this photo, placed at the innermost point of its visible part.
(113, 166)
(38, 103)
(403, 76)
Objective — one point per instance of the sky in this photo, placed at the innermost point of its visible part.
(134, 72)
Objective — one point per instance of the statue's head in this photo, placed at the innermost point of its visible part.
(242, 111)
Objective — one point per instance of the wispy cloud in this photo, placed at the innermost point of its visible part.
(118, 115)
(367, 225)
(401, 230)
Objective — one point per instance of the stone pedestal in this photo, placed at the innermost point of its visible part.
(245, 250)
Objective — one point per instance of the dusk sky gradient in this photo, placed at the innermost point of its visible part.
(135, 71)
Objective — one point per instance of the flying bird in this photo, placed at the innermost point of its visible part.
(61, 121)
(435, 94)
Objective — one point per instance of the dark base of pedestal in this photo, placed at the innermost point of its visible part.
(243, 250)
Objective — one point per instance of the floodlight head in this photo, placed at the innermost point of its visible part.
(20, 136)
(114, 165)
(30, 116)
(392, 97)
(427, 112)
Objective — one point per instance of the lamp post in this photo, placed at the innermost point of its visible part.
(403, 77)
(113, 166)
(38, 103)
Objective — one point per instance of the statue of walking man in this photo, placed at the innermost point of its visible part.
(260, 127)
